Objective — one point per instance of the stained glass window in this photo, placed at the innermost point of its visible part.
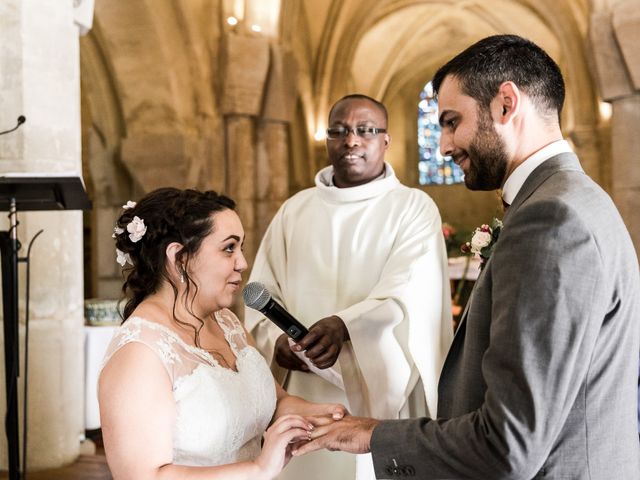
(433, 168)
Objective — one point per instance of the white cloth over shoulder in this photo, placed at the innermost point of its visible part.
(375, 256)
(221, 414)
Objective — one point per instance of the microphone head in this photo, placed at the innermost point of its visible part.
(256, 295)
(21, 119)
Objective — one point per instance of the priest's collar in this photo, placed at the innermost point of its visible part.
(379, 177)
(378, 186)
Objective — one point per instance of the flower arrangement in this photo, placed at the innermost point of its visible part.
(453, 239)
(449, 233)
(483, 241)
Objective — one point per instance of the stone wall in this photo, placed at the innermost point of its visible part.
(40, 78)
(614, 37)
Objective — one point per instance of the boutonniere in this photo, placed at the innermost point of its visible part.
(483, 240)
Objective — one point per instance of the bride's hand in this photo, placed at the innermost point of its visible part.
(276, 450)
(351, 434)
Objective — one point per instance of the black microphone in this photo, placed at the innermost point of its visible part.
(21, 120)
(257, 296)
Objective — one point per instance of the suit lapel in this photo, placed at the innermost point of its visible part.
(465, 312)
(563, 161)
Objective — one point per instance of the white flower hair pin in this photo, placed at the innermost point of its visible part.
(123, 258)
(136, 229)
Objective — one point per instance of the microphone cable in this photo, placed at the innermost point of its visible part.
(21, 120)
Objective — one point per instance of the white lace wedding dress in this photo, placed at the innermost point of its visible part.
(221, 413)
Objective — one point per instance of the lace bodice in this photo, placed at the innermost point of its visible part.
(221, 414)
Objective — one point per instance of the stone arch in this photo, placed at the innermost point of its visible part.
(150, 115)
(106, 179)
(560, 29)
(161, 58)
(392, 49)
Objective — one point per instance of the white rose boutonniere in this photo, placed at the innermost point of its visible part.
(483, 241)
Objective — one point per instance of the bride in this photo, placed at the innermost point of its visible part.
(183, 392)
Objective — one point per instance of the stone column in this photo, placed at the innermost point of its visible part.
(39, 78)
(245, 64)
(241, 175)
(586, 142)
(615, 36)
(274, 141)
(272, 173)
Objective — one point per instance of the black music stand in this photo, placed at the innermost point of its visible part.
(25, 192)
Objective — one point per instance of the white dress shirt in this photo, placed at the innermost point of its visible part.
(517, 178)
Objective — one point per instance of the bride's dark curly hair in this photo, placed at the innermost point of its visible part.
(170, 215)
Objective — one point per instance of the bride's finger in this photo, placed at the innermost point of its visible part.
(288, 422)
(295, 436)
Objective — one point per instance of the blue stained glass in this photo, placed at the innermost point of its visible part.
(433, 168)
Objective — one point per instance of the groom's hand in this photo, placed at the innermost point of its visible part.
(351, 434)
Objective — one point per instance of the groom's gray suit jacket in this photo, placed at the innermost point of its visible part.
(541, 378)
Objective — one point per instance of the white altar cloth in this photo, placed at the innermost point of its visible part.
(96, 340)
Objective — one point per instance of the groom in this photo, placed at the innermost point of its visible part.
(541, 377)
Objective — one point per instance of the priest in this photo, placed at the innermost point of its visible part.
(360, 259)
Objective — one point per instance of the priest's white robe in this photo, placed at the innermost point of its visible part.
(375, 256)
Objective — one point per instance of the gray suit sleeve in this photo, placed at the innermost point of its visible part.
(543, 285)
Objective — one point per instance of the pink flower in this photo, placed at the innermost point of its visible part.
(448, 231)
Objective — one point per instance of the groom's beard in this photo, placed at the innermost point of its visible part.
(487, 157)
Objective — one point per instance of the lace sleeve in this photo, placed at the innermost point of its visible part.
(153, 336)
(233, 330)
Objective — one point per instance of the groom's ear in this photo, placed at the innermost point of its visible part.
(506, 104)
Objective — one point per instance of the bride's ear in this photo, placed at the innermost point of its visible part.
(174, 268)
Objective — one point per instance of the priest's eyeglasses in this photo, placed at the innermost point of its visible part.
(362, 131)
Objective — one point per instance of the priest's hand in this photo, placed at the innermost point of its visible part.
(324, 341)
(286, 358)
(351, 434)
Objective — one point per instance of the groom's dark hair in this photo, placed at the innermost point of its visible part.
(485, 65)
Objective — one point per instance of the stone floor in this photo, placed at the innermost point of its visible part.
(87, 467)
(90, 465)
